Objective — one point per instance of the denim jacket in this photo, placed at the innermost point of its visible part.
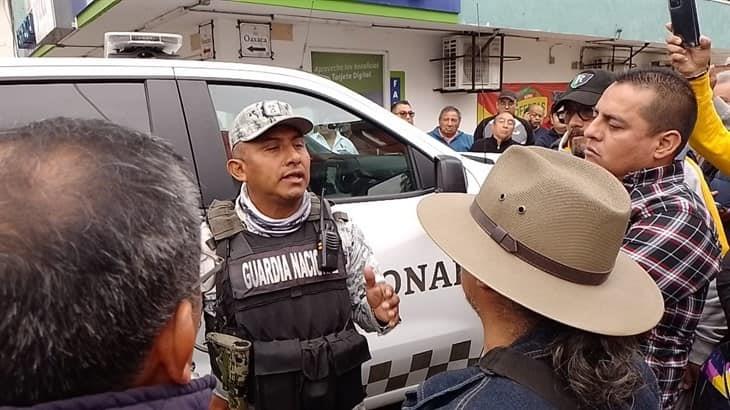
(474, 388)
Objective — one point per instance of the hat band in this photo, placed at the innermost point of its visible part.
(523, 252)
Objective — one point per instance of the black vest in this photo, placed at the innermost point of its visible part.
(306, 352)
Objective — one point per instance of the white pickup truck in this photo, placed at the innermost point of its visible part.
(192, 104)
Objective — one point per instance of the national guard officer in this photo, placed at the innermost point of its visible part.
(292, 275)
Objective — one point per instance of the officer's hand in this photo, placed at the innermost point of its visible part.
(689, 62)
(381, 298)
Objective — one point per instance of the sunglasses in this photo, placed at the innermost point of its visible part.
(585, 113)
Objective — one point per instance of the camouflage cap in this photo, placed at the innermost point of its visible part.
(254, 120)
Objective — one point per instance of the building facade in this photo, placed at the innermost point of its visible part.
(7, 48)
(431, 52)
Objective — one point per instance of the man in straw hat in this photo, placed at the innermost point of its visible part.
(559, 302)
(643, 120)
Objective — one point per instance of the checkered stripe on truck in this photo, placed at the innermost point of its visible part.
(388, 376)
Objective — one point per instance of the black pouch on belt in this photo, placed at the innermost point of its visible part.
(349, 351)
(278, 373)
(318, 387)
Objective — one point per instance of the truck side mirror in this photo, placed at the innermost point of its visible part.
(450, 176)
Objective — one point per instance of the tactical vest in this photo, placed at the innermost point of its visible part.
(306, 352)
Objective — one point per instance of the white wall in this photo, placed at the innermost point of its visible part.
(406, 51)
(6, 31)
(409, 51)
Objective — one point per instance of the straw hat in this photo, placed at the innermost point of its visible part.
(545, 231)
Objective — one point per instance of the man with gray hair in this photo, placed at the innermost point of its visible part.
(99, 254)
(448, 130)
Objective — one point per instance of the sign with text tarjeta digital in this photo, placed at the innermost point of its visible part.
(362, 73)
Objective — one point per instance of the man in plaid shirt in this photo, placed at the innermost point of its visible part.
(641, 122)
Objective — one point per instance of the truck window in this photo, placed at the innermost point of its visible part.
(351, 156)
(121, 103)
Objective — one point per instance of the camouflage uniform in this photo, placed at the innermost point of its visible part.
(359, 255)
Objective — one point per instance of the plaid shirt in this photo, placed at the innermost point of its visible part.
(672, 236)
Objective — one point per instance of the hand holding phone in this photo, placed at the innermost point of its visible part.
(684, 22)
(690, 62)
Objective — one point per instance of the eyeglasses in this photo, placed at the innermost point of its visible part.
(585, 113)
(406, 114)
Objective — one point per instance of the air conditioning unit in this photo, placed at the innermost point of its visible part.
(456, 66)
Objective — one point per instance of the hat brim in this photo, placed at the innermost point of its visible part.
(301, 124)
(580, 96)
(628, 303)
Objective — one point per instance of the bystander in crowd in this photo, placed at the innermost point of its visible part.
(99, 256)
(448, 130)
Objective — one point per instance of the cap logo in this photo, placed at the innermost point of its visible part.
(276, 108)
(581, 79)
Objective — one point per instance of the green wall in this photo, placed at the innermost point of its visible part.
(639, 20)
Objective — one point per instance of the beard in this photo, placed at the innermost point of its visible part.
(578, 144)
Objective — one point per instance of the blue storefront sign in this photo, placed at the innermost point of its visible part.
(397, 86)
(447, 6)
(395, 91)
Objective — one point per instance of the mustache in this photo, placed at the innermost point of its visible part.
(575, 132)
(294, 172)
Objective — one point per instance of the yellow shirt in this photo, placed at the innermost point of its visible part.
(710, 138)
(709, 201)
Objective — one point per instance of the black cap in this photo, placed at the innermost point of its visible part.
(586, 88)
(508, 95)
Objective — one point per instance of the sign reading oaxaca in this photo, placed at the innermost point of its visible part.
(447, 6)
(255, 40)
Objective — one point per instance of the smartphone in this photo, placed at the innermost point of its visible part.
(684, 22)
